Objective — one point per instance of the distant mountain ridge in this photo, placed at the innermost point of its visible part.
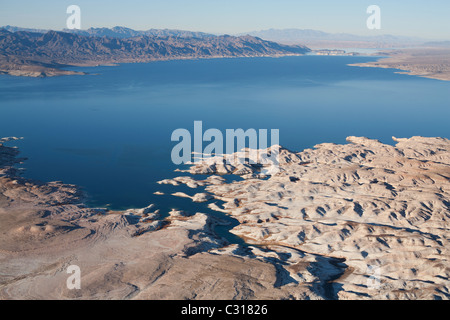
(119, 32)
(123, 32)
(286, 36)
(43, 54)
(315, 37)
(438, 44)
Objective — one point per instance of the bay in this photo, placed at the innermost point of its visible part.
(109, 132)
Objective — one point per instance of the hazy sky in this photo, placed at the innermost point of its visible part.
(428, 19)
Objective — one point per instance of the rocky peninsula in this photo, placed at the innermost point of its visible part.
(364, 220)
(433, 63)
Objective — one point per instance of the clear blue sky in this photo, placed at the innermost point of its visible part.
(428, 19)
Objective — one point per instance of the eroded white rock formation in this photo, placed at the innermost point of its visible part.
(361, 220)
(383, 210)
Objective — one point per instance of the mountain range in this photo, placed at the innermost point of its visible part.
(44, 54)
(316, 38)
(120, 32)
(312, 38)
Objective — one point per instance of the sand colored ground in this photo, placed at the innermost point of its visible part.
(431, 63)
(383, 210)
(363, 220)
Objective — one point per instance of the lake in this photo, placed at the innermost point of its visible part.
(110, 132)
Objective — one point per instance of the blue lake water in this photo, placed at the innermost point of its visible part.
(109, 132)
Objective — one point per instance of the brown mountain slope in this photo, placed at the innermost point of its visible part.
(45, 54)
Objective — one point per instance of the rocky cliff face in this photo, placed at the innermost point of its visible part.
(60, 48)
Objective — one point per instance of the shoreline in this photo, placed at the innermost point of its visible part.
(42, 72)
(351, 205)
(431, 63)
(313, 230)
(395, 60)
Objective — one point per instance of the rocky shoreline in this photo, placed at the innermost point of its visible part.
(364, 220)
(432, 63)
(381, 212)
